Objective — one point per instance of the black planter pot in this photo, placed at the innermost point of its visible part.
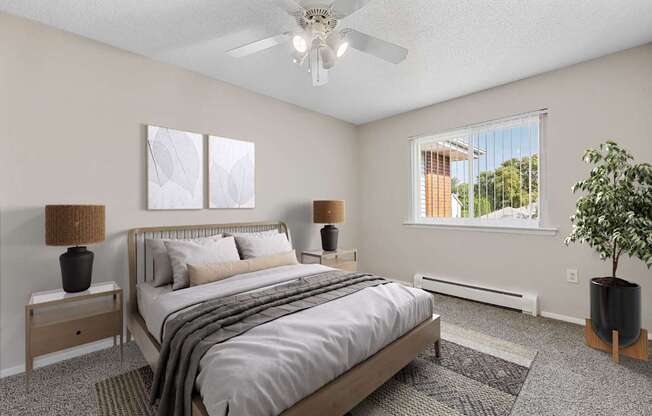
(616, 304)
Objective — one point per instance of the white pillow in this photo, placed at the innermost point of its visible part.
(251, 246)
(162, 270)
(183, 252)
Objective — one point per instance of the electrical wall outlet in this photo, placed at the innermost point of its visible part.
(571, 275)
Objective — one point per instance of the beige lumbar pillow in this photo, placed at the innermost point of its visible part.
(180, 252)
(200, 274)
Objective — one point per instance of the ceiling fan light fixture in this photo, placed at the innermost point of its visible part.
(338, 43)
(298, 57)
(299, 43)
(317, 43)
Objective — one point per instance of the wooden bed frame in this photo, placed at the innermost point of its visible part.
(335, 398)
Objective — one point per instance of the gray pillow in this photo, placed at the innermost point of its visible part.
(251, 234)
(251, 246)
(183, 252)
(162, 270)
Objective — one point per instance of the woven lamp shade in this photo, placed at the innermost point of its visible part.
(74, 225)
(328, 212)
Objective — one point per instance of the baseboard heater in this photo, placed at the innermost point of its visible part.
(526, 302)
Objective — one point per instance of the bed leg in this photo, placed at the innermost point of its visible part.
(438, 349)
(128, 335)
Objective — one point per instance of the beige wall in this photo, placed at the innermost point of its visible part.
(71, 130)
(610, 97)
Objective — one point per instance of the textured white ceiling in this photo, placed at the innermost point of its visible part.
(456, 46)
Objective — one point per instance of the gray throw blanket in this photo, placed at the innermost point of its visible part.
(190, 334)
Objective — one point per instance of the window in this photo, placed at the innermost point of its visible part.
(485, 174)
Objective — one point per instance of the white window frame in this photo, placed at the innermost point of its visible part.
(504, 224)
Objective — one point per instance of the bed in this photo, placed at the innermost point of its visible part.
(346, 343)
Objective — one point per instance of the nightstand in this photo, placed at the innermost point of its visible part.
(340, 259)
(56, 320)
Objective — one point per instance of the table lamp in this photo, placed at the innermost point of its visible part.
(329, 213)
(76, 226)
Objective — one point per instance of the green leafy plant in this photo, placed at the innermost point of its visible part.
(507, 186)
(615, 214)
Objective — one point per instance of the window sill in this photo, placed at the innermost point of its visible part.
(487, 228)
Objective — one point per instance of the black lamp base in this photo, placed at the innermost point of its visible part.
(329, 238)
(76, 269)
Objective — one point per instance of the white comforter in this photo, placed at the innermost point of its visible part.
(269, 368)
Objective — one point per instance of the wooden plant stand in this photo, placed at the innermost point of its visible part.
(638, 350)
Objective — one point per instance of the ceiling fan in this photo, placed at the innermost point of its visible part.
(317, 44)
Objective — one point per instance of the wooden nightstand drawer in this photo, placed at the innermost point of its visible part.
(58, 336)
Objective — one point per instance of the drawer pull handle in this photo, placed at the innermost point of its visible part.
(78, 332)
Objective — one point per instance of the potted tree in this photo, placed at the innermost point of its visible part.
(614, 216)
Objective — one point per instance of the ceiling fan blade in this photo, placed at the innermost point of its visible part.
(374, 46)
(343, 8)
(291, 6)
(259, 45)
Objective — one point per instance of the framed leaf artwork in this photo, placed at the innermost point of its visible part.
(231, 173)
(175, 178)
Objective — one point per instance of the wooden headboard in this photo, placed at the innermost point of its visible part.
(140, 266)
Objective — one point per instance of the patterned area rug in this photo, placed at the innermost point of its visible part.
(477, 375)
(126, 394)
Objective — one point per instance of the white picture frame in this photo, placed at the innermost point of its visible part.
(231, 173)
(175, 174)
